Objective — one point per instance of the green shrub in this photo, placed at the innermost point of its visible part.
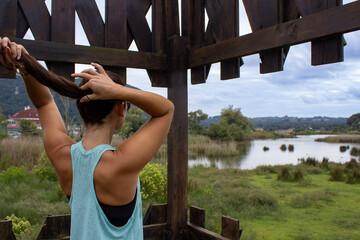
(283, 147)
(153, 182)
(265, 148)
(352, 164)
(343, 148)
(325, 163)
(20, 225)
(13, 173)
(298, 175)
(45, 169)
(355, 152)
(309, 161)
(337, 174)
(291, 147)
(284, 174)
(353, 176)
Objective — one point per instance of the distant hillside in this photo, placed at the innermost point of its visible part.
(277, 123)
(13, 98)
(316, 123)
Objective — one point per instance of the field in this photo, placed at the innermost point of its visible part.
(307, 206)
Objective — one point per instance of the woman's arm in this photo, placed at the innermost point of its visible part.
(54, 133)
(139, 149)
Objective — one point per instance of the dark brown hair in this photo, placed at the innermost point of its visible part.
(92, 112)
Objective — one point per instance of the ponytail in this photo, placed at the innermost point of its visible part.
(92, 112)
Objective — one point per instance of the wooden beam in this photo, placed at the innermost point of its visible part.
(6, 231)
(199, 233)
(62, 30)
(155, 231)
(155, 214)
(8, 13)
(333, 21)
(91, 21)
(263, 14)
(230, 228)
(157, 78)
(38, 18)
(116, 29)
(64, 52)
(197, 216)
(178, 140)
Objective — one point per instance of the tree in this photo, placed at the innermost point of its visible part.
(194, 119)
(232, 125)
(353, 122)
(27, 128)
(133, 121)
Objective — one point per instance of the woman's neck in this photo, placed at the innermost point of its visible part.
(96, 135)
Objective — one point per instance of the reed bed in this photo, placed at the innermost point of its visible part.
(345, 138)
(22, 151)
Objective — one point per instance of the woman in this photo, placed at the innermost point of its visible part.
(102, 181)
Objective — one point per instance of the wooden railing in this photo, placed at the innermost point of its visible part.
(155, 226)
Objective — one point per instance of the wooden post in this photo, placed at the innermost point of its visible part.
(8, 14)
(6, 231)
(178, 139)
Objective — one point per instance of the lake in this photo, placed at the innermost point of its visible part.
(253, 154)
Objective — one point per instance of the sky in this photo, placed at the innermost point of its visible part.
(301, 90)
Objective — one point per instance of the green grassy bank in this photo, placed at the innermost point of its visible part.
(314, 208)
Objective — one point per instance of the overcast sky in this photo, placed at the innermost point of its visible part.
(300, 90)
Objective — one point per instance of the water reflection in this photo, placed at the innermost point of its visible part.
(253, 154)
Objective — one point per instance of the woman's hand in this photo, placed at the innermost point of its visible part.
(14, 49)
(100, 83)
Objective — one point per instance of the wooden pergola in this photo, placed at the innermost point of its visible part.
(167, 54)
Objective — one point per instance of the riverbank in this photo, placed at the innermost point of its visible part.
(341, 138)
(314, 208)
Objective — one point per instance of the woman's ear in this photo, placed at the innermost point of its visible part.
(120, 108)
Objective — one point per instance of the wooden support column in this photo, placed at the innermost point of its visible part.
(62, 30)
(178, 140)
(8, 12)
(6, 231)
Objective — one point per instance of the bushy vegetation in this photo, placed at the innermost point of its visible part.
(153, 182)
(134, 119)
(19, 225)
(45, 169)
(287, 175)
(232, 125)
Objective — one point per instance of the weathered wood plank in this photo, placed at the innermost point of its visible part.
(63, 31)
(38, 18)
(230, 228)
(197, 216)
(172, 18)
(55, 226)
(158, 79)
(199, 233)
(91, 21)
(337, 20)
(8, 12)
(6, 231)
(139, 27)
(155, 214)
(329, 49)
(155, 231)
(193, 28)
(177, 139)
(263, 14)
(116, 29)
(64, 52)
(22, 24)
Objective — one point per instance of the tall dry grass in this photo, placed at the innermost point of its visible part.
(21, 151)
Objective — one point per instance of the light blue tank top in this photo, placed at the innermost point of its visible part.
(88, 221)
